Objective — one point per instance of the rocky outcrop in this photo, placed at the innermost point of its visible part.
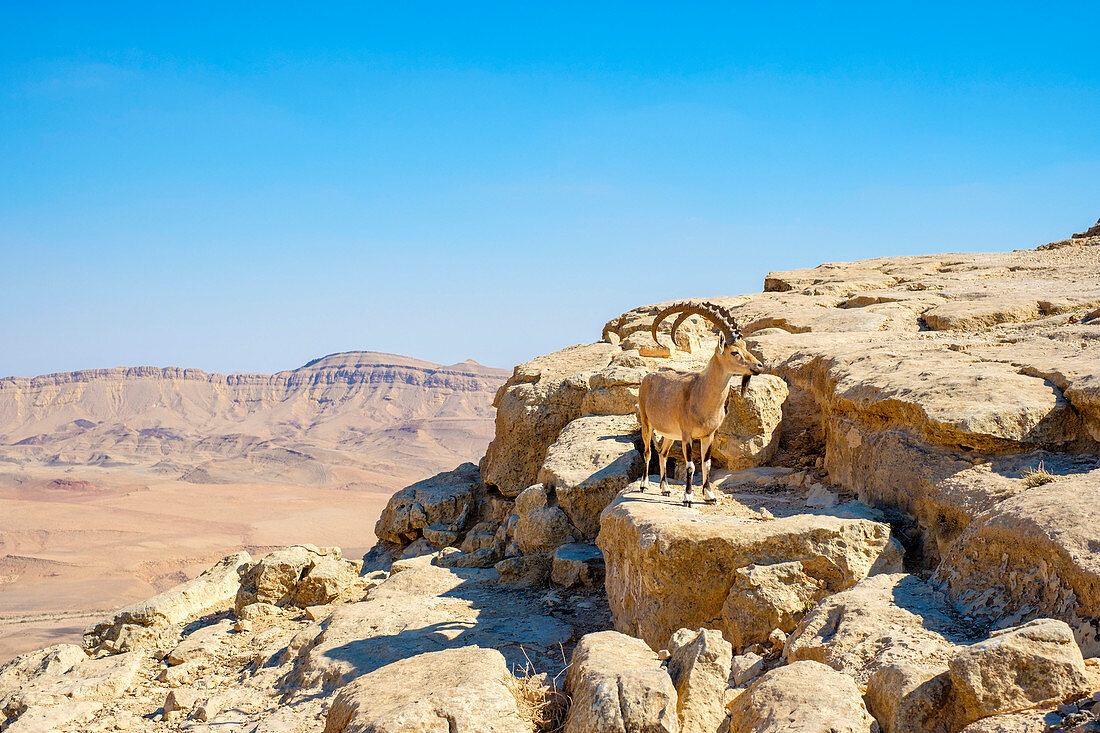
(134, 625)
(542, 397)
(618, 685)
(804, 697)
(1034, 554)
(670, 567)
(431, 508)
(457, 690)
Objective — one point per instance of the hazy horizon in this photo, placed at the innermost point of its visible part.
(246, 189)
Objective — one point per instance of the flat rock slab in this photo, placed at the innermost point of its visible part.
(454, 690)
(671, 567)
(426, 609)
(804, 697)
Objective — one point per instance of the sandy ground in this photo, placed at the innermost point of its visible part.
(68, 555)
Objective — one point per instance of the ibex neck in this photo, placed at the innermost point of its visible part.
(716, 382)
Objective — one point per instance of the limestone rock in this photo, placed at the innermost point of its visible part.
(213, 590)
(525, 571)
(749, 436)
(421, 609)
(90, 680)
(541, 398)
(1034, 555)
(670, 567)
(456, 690)
(181, 699)
(894, 634)
(768, 597)
(614, 391)
(745, 668)
(541, 526)
(593, 459)
(283, 577)
(1018, 668)
(700, 668)
(442, 501)
(618, 685)
(578, 564)
(804, 697)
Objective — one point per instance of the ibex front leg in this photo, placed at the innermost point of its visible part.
(663, 449)
(685, 442)
(704, 456)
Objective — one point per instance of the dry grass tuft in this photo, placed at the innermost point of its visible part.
(1037, 476)
(538, 698)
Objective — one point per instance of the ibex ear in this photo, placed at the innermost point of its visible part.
(721, 340)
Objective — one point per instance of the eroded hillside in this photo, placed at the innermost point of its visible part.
(117, 483)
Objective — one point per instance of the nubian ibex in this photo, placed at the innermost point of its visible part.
(686, 406)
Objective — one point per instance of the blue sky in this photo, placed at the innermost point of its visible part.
(246, 187)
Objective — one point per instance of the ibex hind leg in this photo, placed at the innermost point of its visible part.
(689, 496)
(704, 457)
(663, 449)
(647, 447)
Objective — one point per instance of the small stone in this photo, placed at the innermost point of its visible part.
(746, 668)
(242, 625)
(1067, 709)
(316, 613)
(664, 654)
(180, 700)
(777, 638)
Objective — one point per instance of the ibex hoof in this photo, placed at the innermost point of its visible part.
(711, 501)
(687, 502)
(666, 493)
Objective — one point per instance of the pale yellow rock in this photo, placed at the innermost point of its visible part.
(542, 397)
(804, 697)
(213, 590)
(618, 685)
(1034, 555)
(699, 666)
(454, 690)
(593, 459)
(670, 567)
(1018, 668)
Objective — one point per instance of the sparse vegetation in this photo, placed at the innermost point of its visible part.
(1037, 476)
(539, 697)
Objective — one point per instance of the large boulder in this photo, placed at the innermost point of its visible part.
(442, 503)
(699, 665)
(671, 567)
(1018, 668)
(130, 627)
(91, 680)
(541, 525)
(454, 690)
(618, 685)
(1034, 555)
(613, 391)
(542, 397)
(895, 635)
(593, 459)
(804, 697)
(749, 436)
(302, 575)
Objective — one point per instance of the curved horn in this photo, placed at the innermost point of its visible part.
(716, 314)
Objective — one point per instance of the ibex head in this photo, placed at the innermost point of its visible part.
(732, 353)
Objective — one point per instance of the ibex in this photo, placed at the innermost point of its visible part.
(686, 406)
